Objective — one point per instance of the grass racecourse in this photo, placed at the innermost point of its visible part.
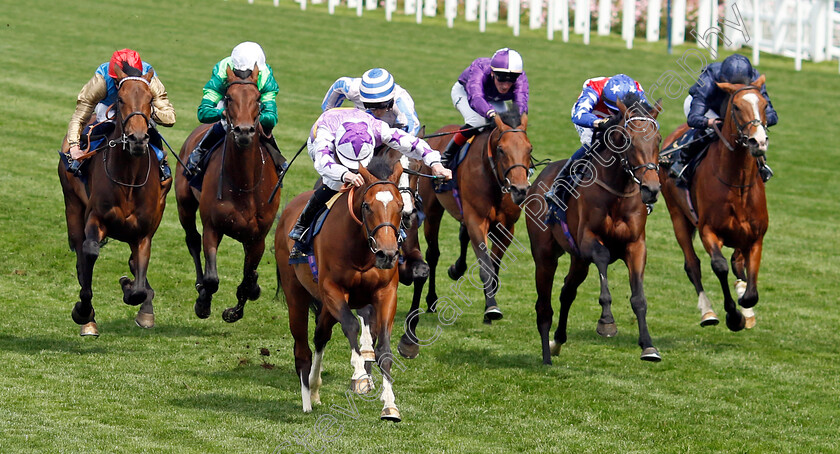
(201, 386)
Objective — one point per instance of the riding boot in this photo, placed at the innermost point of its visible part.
(696, 145)
(165, 171)
(565, 179)
(454, 146)
(73, 165)
(763, 169)
(304, 221)
(274, 151)
(211, 138)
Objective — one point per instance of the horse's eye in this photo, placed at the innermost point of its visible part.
(365, 206)
(737, 109)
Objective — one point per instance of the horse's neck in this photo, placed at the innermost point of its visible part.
(479, 166)
(243, 165)
(121, 166)
(609, 170)
(735, 167)
(354, 246)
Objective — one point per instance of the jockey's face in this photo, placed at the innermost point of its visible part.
(503, 87)
(380, 109)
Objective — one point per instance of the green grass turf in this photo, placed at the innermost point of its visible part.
(192, 385)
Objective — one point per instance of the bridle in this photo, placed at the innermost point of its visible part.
(363, 222)
(503, 181)
(227, 97)
(226, 114)
(742, 138)
(648, 166)
(123, 139)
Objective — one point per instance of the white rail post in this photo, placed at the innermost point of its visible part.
(628, 23)
(564, 19)
(369, 5)
(471, 10)
(535, 12)
(492, 11)
(513, 16)
(408, 7)
(549, 25)
(799, 31)
(451, 7)
(604, 12)
(418, 12)
(756, 34)
(678, 22)
(654, 12)
(482, 16)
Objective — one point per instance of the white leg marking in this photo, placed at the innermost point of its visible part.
(387, 396)
(315, 377)
(703, 303)
(366, 341)
(748, 312)
(358, 364)
(304, 393)
(740, 288)
(408, 203)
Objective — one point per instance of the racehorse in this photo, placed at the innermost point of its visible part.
(606, 222)
(234, 199)
(492, 181)
(726, 204)
(122, 199)
(356, 254)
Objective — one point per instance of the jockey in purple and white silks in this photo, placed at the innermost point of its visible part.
(485, 88)
(340, 141)
(377, 93)
(706, 102)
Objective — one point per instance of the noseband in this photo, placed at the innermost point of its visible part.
(371, 232)
(123, 137)
(742, 138)
(503, 182)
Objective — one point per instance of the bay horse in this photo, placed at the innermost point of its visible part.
(234, 199)
(727, 205)
(356, 253)
(122, 199)
(492, 181)
(606, 218)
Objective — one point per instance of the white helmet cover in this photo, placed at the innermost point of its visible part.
(246, 55)
(354, 144)
(377, 86)
(506, 60)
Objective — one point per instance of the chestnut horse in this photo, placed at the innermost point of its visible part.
(234, 198)
(356, 253)
(727, 205)
(606, 217)
(122, 199)
(492, 182)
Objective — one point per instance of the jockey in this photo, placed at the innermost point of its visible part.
(376, 93)
(595, 110)
(482, 90)
(706, 102)
(100, 92)
(244, 57)
(340, 141)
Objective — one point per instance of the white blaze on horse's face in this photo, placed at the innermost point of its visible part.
(385, 197)
(760, 135)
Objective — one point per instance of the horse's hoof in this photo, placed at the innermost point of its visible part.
(368, 355)
(362, 385)
(407, 348)
(749, 315)
(125, 282)
(431, 307)
(390, 414)
(135, 298)
(145, 320)
(554, 347)
(232, 314)
(735, 322)
(89, 329)
(709, 319)
(606, 329)
(651, 354)
(740, 288)
(493, 313)
(202, 310)
(454, 273)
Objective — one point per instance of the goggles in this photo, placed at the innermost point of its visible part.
(505, 77)
(386, 105)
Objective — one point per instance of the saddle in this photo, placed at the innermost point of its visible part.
(444, 186)
(691, 139)
(311, 232)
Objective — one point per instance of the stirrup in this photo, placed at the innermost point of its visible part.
(765, 172)
(297, 251)
(194, 159)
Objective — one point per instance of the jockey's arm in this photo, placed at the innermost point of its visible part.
(475, 94)
(582, 112)
(321, 151)
(162, 111)
(336, 94)
(769, 111)
(268, 110)
(94, 91)
(406, 114)
(520, 93)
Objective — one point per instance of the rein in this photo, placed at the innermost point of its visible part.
(741, 138)
(648, 165)
(368, 232)
(224, 148)
(503, 182)
(123, 139)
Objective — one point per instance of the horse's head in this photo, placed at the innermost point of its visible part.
(242, 105)
(380, 210)
(746, 116)
(511, 154)
(639, 139)
(134, 107)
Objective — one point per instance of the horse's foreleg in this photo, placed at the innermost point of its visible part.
(635, 258)
(83, 312)
(210, 278)
(734, 319)
(487, 268)
(248, 289)
(601, 257)
(298, 299)
(545, 263)
(368, 331)
(323, 334)
(749, 298)
(186, 214)
(385, 311)
(578, 269)
(457, 269)
(135, 290)
(414, 271)
(335, 302)
(684, 231)
(431, 228)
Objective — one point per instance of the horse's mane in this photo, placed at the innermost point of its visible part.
(511, 117)
(380, 167)
(635, 102)
(131, 71)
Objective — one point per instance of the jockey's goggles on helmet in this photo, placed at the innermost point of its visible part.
(384, 105)
(505, 76)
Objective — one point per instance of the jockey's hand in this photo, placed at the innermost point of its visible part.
(439, 170)
(76, 152)
(353, 178)
(715, 121)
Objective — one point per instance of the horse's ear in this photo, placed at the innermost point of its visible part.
(523, 122)
(148, 76)
(499, 123)
(230, 74)
(657, 108)
(758, 82)
(729, 88)
(397, 173)
(255, 73)
(621, 107)
(119, 72)
(366, 175)
(422, 132)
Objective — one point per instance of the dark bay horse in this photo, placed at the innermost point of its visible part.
(727, 205)
(492, 182)
(356, 253)
(606, 220)
(122, 199)
(234, 198)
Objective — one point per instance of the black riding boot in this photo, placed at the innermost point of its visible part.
(764, 171)
(211, 138)
(701, 139)
(563, 181)
(454, 146)
(319, 198)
